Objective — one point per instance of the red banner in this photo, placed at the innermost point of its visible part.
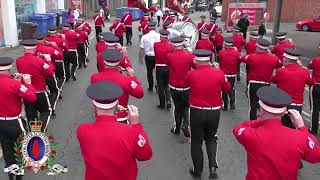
(175, 5)
(253, 10)
(77, 3)
(137, 4)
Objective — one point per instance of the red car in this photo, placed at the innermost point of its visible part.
(309, 24)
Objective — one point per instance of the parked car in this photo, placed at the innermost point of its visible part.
(309, 24)
(201, 7)
(191, 9)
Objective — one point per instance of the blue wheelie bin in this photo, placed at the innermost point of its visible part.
(135, 12)
(42, 22)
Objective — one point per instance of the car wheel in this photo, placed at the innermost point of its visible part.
(305, 28)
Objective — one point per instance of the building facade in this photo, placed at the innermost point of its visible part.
(292, 10)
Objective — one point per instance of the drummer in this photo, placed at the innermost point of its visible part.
(173, 33)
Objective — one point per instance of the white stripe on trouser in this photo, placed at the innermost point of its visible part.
(50, 111)
(216, 150)
(64, 76)
(55, 101)
(311, 100)
(248, 94)
(75, 71)
(21, 125)
(174, 118)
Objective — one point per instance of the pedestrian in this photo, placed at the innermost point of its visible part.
(118, 29)
(129, 83)
(159, 15)
(143, 26)
(71, 55)
(229, 60)
(262, 29)
(273, 150)
(239, 43)
(118, 146)
(243, 24)
(147, 50)
(218, 43)
(213, 12)
(212, 28)
(180, 63)
(314, 65)
(49, 54)
(152, 10)
(292, 78)
(127, 21)
(76, 14)
(98, 23)
(206, 85)
(81, 45)
(70, 18)
(283, 43)
(161, 50)
(204, 42)
(38, 69)
(261, 66)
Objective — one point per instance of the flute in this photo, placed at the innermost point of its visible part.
(123, 109)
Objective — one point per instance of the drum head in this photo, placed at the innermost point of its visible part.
(191, 30)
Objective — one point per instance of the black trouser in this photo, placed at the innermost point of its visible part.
(120, 40)
(82, 54)
(218, 49)
(286, 120)
(231, 94)
(253, 99)
(42, 105)
(54, 91)
(244, 34)
(150, 63)
(60, 74)
(98, 31)
(162, 76)
(315, 100)
(87, 51)
(238, 72)
(199, 34)
(159, 18)
(128, 34)
(204, 126)
(181, 109)
(70, 57)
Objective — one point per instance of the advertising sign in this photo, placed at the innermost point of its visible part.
(77, 3)
(253, 10)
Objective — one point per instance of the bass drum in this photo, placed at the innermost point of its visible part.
(190, 30)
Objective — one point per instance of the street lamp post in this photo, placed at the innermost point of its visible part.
(277, 19)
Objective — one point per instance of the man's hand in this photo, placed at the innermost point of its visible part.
(133, 115)
(26, 78)
(130, 71)
(296, 118)
(140, 61)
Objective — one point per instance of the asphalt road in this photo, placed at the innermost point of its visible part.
(171, 155)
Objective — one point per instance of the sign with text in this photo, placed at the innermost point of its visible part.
(253, 10)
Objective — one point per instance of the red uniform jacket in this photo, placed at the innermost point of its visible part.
(83, 36)
(86, 27)
(314, 65)
(118, 28)
(238, 41)
(275, 151)
(113, 151)
(179, 62)
(251, 47)
(71, 38)
(127, 20)
(292, 79)
(261, 66)
(130, 85)
(37, 68)
(278, 50)
(124, 63)
(201, 25)
(11, 93)
(98, 20)
(206, 84)
(101, 46)
(166, 17)
(186, 19)
(212, 28)
(42, 49)
(161, 50)
(205, 44)
(144, 27)
(59, 42)
(229, 59)
(218, 40)
(152, 9)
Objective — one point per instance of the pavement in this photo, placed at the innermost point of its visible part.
(171, 155)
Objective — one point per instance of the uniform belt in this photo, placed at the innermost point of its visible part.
(161, 65)
(122, 119)
(258, 82)
(128, 25)
(98, 25)
(10, 118)
(59, 61)
(149, 54)
(317, 83)
(206, 108)
(294, 104)
(75, 50)
(230, 75)
(179, 89)
(40, 91)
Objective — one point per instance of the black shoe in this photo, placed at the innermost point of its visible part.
(53, 114)
(174, 132)
(194, 174)
(74, 78)
(19, 177)
(160, 107)
(213, 173)
(150, 89)
(79, 67)
(60, 96)
(186, 132)
(85, 66)
(238, 79)
(232, 107)
(67, 79)
(301, 165)
(225, 108)
(168, 106)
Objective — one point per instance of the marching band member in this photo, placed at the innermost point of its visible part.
(98, 23)
(118, 28)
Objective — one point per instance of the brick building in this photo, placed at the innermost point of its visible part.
(292, 10)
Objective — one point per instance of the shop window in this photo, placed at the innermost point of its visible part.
(24, 9)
